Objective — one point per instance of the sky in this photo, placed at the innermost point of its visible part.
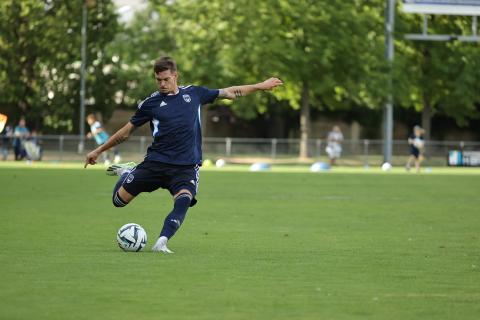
(127, 8)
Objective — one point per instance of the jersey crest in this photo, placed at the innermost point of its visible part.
(187, 98)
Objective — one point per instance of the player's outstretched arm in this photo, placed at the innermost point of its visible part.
(239, 91)
(117, 138)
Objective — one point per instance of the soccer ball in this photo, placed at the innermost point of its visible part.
(220, 163)
(386, 166)
(131, 237)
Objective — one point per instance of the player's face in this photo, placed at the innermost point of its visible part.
(166, 81)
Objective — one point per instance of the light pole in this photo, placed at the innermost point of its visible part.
(81, 143)
(388, 109)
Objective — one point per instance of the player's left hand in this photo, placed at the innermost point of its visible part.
(91, 158)
(271, 83)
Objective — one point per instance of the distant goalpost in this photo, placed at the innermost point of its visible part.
(452, 8)
(448, 7)
(424, 7)
(444, 7)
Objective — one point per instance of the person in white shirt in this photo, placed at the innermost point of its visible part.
(334, 146)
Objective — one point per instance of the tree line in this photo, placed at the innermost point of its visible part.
(330, 54)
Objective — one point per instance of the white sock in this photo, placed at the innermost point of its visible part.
(162, 241)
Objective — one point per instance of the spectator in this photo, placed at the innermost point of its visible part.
(101, 136)
(6, 136)
(417, 148)
(33, 147)
(334, 146)
(20, 134)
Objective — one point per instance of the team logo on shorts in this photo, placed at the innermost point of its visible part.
(130, 178)
(187, 98)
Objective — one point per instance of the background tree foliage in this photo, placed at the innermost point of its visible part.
(437, 77)
(330, 53)
(40, 60)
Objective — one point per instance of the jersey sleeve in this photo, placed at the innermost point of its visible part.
(142, 115)
(207, 95)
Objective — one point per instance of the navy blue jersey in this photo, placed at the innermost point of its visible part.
(175, 124)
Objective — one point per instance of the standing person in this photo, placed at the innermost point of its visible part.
(334, 146)
(33, 147)
(101, 136)
(20, 134)
(6, 135)
(173, 159)
(417, 148)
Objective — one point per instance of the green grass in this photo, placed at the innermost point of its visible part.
(279, 245)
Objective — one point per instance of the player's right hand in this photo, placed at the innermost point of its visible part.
(91, 158)
(271, 83)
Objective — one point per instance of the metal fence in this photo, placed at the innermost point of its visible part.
(246, 150)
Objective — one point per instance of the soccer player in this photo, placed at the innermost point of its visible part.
(173, 159)
(101, 136)
(417, 147)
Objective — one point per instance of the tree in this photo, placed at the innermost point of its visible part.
(330, 53)
(40, 60)
(437, 77)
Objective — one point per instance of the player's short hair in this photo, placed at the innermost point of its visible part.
(163, 64)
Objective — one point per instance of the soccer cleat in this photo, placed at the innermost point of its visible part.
(119, 169)
(163, 249)
(161, 246)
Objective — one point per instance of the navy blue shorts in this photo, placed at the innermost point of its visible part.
(148, 176)
(414, 152)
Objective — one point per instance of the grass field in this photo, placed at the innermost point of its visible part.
(278, 245)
